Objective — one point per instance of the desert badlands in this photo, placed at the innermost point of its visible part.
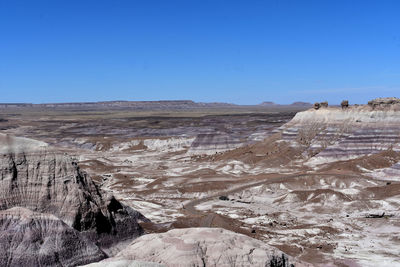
(179, 183)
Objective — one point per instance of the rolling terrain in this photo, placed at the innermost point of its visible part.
(318, 185)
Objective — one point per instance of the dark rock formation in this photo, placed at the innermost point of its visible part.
(48, 182)
(344, 104)
(324, 104)
(223, 198)
(37, 178)
(29, 238)
(385, 101)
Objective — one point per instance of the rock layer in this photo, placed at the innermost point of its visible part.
(333, 134)
(199, 247)
(36, 239)
(45, 181)
(212, 143)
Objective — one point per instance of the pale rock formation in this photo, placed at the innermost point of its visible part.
(389, 173)
(29, 238)
(168, 144)
(198, 247)
(11, 144)
(333, 134)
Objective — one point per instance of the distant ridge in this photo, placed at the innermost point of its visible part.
(161, 104)
(268, 104)
(301, 104)
(294, 104)
(143, 105)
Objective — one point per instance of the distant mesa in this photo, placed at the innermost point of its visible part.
(268, 104)
(294, 104)
(121, 104)
(142, 105)
(301, 104)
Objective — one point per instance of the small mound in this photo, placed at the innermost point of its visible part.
(200, 247)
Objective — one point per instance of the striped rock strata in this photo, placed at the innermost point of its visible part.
(335, 134)
(35, 177)
(29, 238)
(200, 247)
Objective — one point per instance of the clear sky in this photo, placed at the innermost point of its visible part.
(242, 52)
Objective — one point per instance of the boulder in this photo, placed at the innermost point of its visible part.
(317, 105)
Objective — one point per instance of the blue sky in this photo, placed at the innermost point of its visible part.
(242, 52)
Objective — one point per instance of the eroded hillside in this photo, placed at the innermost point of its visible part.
(320, 185)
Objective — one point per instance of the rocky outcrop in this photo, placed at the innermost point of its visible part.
(40, 179)
(29, 238)
(200, 247)
(344, 104)
(268, 104)
(385, 101)
(333, 134)
(324, 104)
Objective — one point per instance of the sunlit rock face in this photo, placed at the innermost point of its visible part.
(29, 238)
(199, 247)
(334, 134)
(42, 180)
